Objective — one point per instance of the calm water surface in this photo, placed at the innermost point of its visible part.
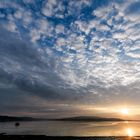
(60, 128)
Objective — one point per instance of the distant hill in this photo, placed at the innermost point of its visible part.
(13, 118)
(78, 118)
(89, 118)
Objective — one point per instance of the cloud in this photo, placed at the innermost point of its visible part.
(55, 54)
(133, 8)
(29, 69)
(52, 8)
(21, 64)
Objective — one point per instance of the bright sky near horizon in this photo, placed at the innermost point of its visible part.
(66, 57)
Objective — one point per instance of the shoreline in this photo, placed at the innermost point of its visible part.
(44, 137)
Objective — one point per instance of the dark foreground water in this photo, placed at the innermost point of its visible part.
(60, 128)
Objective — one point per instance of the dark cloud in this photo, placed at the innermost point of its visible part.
(22, 66)
(21, 63)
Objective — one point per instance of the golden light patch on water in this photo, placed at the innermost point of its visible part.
(129, 132)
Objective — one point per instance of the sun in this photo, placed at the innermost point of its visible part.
(125, 111)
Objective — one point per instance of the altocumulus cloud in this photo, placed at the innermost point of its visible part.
(24, 66)
(85, 57)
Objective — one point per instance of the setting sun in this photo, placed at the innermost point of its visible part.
(125, 111)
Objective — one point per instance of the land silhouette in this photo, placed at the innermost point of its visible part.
(77, 118)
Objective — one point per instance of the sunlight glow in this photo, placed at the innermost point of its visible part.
(129, 132)
(125, 111)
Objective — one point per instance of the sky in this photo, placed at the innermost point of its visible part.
(69, 57)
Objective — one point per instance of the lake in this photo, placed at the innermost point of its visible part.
(69, 128)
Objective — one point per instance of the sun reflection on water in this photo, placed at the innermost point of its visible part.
(129, 132)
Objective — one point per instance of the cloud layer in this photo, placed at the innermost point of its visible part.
(50, 51)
